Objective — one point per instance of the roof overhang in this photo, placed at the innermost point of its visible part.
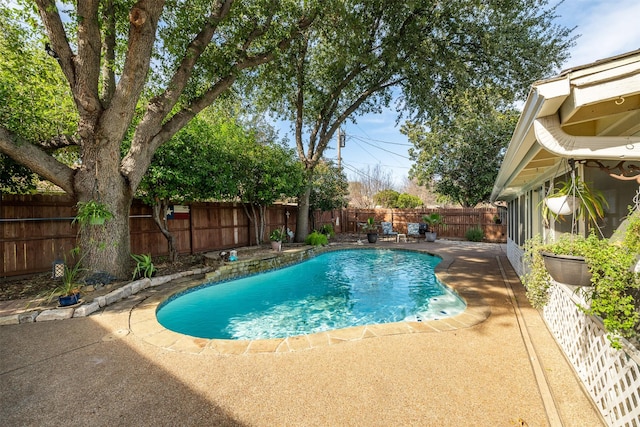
(588, 112)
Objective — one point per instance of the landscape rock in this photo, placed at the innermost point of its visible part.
(55, 314)
(28, 317)
(86, 309)
(9, 320)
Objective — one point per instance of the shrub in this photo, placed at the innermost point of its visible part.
(474, 234)
(316, 239)
(327, 230)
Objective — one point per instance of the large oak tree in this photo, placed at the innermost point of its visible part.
(362, 54)
(140, 71)
(459, 156)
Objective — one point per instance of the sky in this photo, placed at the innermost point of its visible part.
(606, 28)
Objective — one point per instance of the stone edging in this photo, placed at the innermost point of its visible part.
(86, 309)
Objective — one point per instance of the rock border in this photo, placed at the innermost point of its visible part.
(85, 309)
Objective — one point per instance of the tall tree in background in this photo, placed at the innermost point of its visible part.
(166, 60)
(459, 156)
(192, 166)
(359, 51)
(329, 189)
(264, 174)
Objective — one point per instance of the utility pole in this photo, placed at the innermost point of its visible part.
(340, 144)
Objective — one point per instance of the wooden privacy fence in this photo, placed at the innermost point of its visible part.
(456, 222)
(35, 230)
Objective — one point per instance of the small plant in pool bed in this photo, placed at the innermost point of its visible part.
(317, 239)
(474, 234)
(144, 266)
(68, 292)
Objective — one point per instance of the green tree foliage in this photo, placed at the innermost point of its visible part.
(459, 156)
(358, 52)
(183, 169)
(36, 104)
(330, 187)
(217, 156)
(393, 200)
(264, 174)
(137, 71)
(408, 201)
(386, 198)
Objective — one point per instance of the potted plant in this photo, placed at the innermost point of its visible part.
(612, 272)
(276, 237)
(68, 292)
(432, 220)
(371, 229)
(565, 259)
(574, 196)
(92, 213)
(144, 266)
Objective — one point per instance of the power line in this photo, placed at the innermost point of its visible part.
(365, 150)
(380, 140)
(379, 148)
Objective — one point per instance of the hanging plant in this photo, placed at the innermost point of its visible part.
(614, 282)
(92, 213)
(574, 196)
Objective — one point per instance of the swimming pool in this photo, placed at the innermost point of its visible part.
(333, 290)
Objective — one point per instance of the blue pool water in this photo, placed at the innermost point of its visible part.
(331, 291)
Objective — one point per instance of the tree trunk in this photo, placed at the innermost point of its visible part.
(106, 248)
(159, 217)
(263, 220)
(302, 220)
(253, 219)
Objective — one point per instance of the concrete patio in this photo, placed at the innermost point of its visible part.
(504, 369)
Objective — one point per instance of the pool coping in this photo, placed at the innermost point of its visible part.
(144, 324)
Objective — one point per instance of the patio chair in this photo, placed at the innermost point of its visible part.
(413, 229)
(387, 230)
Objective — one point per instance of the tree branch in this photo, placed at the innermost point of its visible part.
(165, 101)
(88, 59)
(37, 160)
(108, 49)
(58, 38)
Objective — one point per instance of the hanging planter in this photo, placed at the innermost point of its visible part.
(562, 205)
(97, 221)
(574, 196)
(567, 269)
(92, 213)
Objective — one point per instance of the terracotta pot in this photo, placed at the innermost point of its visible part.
(276, 246)
(567, 269)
